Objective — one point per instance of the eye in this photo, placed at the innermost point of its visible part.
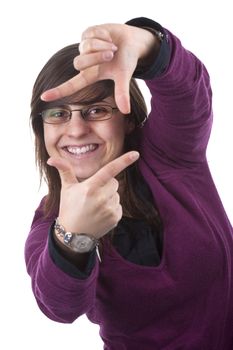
(96, 113)
(55, 115)
(58, 113)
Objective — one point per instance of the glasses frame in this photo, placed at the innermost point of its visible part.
(81, 110)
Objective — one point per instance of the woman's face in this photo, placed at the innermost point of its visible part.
(87, 145)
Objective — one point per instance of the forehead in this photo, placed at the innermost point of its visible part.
(74, 104)
(95, 93)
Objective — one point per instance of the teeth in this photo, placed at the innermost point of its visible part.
(81, 150)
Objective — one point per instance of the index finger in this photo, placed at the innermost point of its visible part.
(113, 168)
(70, 86)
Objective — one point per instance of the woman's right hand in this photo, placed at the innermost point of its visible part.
(92, 206)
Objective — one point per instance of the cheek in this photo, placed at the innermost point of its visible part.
(115, 139)
(47, 138)
(50, 139)
(116, 130)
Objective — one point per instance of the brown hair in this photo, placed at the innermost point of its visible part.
(137, 199)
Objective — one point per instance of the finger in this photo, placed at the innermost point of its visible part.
(65, 170)
(111, 187)
(72, 85)
(118, 213)
(65, 89)
(114, 201)
(83, 62)
(122, 96)
(113, 168)
(92, 45)
(127, 64)
(97, 32)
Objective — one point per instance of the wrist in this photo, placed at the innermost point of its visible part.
(152, 42)
(162, 58)
(75, 242)
(158, 58)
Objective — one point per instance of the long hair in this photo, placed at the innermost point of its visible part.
(137, 199)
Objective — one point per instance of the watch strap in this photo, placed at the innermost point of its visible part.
(77, 242)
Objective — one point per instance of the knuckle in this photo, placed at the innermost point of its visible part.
(117, 198)
(88, 191)
(76, 61)
(88, 45)
(86, 32)
(115, 183)
(83, 46)
(96, 31)
(90, 32)
(117, 215)
(101, 202)
(80, 47)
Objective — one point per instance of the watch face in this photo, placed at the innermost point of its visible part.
(82, 243)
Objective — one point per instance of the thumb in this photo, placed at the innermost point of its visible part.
(65, 170)
(122, 97)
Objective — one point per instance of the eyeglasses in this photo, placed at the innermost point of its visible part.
(59, 115)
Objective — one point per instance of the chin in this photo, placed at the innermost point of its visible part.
(84, 175)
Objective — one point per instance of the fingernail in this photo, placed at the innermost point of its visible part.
(114, 47)
(75, 62)
(48, 95)
(134, 155)
(49, 162)
(42, 96)
(108, 55)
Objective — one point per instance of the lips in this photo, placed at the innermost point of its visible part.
(78, 150)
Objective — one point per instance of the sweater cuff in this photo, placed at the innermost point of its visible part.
(163, 57)
(65, 265)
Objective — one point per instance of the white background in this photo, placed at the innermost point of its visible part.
(30, 32)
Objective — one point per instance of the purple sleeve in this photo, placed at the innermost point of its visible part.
(178, 128)
(61, 297)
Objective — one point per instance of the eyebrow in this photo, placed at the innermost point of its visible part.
(78, 104)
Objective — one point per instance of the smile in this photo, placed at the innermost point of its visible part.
(81, 150)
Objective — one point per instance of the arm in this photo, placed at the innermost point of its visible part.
(60, 297)
(60, 292)
(179, 125)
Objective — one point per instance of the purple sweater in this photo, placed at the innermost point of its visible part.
(187, 301)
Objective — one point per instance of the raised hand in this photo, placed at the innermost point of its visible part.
(92, 206)
(109, 51)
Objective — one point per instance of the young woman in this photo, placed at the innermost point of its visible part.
(132, 232)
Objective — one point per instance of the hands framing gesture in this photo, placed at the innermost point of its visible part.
(109, 51)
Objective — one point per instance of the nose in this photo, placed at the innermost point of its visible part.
(77, 126)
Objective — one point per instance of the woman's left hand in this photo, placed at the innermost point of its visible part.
(108, 51)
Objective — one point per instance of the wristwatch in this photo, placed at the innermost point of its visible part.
(77, 242)
(155, 32)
